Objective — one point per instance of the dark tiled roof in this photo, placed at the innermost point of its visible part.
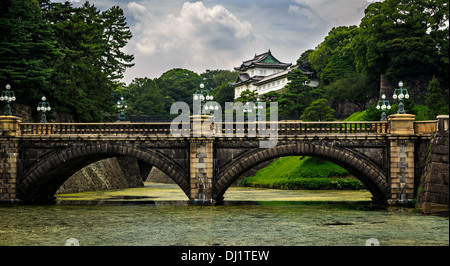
(245, 78)
(263, 60)
(259, 80)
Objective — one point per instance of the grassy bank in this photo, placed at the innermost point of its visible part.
(302, 172)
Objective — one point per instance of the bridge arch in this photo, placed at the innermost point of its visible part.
(366, 171)
(40, 183)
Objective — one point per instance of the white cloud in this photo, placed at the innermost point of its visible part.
(197, 36)
(137, 10)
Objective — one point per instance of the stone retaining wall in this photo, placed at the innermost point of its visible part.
(433, 189)
(107, 174)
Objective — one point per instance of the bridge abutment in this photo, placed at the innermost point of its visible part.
(401, 159)
(9, 152)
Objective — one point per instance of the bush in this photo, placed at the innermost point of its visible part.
(308, 183)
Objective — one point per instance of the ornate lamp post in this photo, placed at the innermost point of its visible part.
(199, 95)
(211, 106)
(258, 106)
(121, 106)
(8, 96)
(43, 107)
(247, 108)
(383, 104)
(400, 94)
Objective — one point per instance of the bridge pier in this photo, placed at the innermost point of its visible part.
(401, 159)
(201, 170)
(9, 151)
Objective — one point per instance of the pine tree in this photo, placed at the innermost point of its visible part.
(318, 111)
(27, 49)
(92, 61)
(116, 34)
(435, 100)
(297, 95)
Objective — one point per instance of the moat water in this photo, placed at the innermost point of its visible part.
(158, 215)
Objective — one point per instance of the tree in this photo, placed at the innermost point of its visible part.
(399, 38)
(318, 111)
(145, 98)
(296, 95)
(304, 60)
(354, 87)
(87, 74)
(271, 96)
(223, 93)
(337, 68)
(334, 56)
(247, 96)
(435, 100)
(218, 80)
(27, 49)
(116, 34)
(179, 84)
(214, 78)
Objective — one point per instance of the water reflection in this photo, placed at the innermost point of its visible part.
(153, 192)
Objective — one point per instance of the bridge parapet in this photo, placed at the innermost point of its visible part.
(425, 127)
(221, 129)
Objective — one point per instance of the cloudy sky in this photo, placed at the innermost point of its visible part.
(220, 34)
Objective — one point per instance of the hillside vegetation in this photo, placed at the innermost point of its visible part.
(302, 172)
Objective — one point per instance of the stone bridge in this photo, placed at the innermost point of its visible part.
(388, 157)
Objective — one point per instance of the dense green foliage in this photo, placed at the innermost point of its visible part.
(334, 58)
(179, 85)
(401, 38)
(373, 114)
(354, 87)
(71, 54)
(295, 172)
(295, 97)
(318, 111)
(395, 38)
(144, 98)
(149, 97)
(27, 49)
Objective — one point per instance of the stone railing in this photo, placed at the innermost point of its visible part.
(302, 128)
(95, 128)
(299, 128)
(227, 129)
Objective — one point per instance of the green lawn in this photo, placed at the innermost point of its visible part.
(302, 172)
